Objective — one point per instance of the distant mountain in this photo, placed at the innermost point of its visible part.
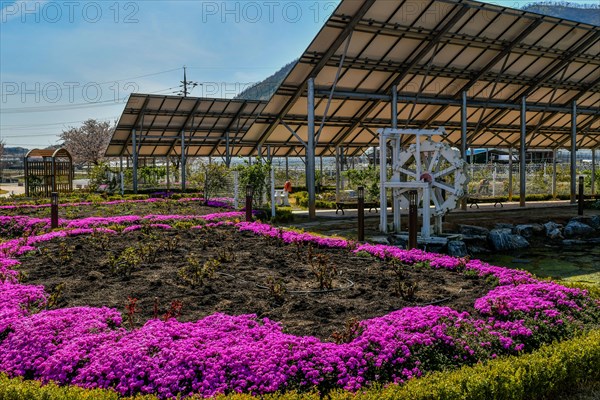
(15, 151)
(589, 14)
(264, 90)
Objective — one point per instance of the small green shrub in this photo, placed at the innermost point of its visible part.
(538, 197)
(196, 274)
(593, 290)
(299, 197)
(283, 214)
(302, 201)
(18, 389)
(136, 196)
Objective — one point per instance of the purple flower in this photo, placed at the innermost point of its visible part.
(220, 353)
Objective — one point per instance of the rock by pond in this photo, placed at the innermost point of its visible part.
(593, 221)
(473, 230)
(457, 248)
(504, 239)
(524, 230)
(578, 229)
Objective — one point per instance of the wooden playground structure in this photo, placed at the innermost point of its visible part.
(48, 171)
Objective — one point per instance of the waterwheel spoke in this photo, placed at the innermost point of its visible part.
(445, 187)
(444, 172)
(434, 160)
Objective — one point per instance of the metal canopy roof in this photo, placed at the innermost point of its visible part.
(431, 51)
(207, 124)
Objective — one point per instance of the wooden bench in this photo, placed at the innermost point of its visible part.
(474, 201)
(340, 205)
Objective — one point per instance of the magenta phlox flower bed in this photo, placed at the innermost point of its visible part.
(548, 298)
(221, 353)
(221, 202)
(290, 236)
(20, 225)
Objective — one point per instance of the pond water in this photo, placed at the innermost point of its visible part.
(573, 263)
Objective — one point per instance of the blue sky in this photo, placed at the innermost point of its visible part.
(64, 62)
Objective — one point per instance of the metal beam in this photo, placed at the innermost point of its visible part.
(530, 28)
(137, 122)
(504, 53)
(585, 90)
(564, 60)
(437, 71)
(310, 150)
(435, 38)
(559, 64)
(347, 30)
(395, 107)
(522, 151)
(293, 132)
(473, 102)
(135, 160)
(412, 64)
(463, 137)
(169, 123)
(183, 160)
(227, 152)
(236, 117)
(573, 152)
(472, 40)
(593, 172)
(554, 192)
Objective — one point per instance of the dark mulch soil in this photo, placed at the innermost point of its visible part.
(364, 287)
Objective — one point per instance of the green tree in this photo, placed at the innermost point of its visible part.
(151, 175)
(255, 174)
(212, 178)
(367, 178)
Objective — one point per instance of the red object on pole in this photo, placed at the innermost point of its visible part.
(412, 219)
(54, 210)
(249, 195)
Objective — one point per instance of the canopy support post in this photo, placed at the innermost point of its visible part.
(463, 138)
(573, 152)
(183, 160)
(227, 150)
(522, 169)
(510, 174)
(337, 174)
(593, 171)
(554, 154)
(135, 160)
(310, 150)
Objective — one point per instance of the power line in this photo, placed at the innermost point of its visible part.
(70, 87)
(61, 107)
(55, 123)
(165, 90)
(30, 136)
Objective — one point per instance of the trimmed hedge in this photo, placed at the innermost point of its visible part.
(548, 371)
(593, 289)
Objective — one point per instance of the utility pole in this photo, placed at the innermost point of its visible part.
(185, 83)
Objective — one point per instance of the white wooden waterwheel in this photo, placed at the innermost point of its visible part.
(444, 171)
